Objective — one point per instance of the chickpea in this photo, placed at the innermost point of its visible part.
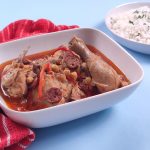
(84, 66)
(87, 80)
(61, 77)
(55, 67)
(74, 75)
(67, 72)
(26, 66)
(30, 79)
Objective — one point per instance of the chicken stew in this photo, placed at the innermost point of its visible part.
(54, 77)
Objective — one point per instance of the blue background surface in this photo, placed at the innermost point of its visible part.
(126, 126)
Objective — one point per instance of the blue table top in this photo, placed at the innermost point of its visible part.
(126, 126)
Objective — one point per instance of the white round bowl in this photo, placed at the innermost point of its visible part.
(133, 45)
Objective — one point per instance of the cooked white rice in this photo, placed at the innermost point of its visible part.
(133, 25)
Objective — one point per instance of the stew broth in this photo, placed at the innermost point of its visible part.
(23, 105)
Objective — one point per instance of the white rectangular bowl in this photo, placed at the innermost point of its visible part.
(73, 110)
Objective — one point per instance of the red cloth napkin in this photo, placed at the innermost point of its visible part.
(23, 28)
(12, 135)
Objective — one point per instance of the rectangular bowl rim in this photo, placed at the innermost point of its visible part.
(84, 99)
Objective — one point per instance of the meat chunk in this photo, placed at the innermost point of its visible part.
(58, 81)
(14, 82)
(54, 95)
(103, 75)
(86, 85)
(72, 61)
(57, 57)
(9, 74)
(16, 78)
(19, 86)
(77, 93)
(40, 62)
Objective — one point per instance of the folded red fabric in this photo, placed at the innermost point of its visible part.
(12, 135)
(23, 28)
